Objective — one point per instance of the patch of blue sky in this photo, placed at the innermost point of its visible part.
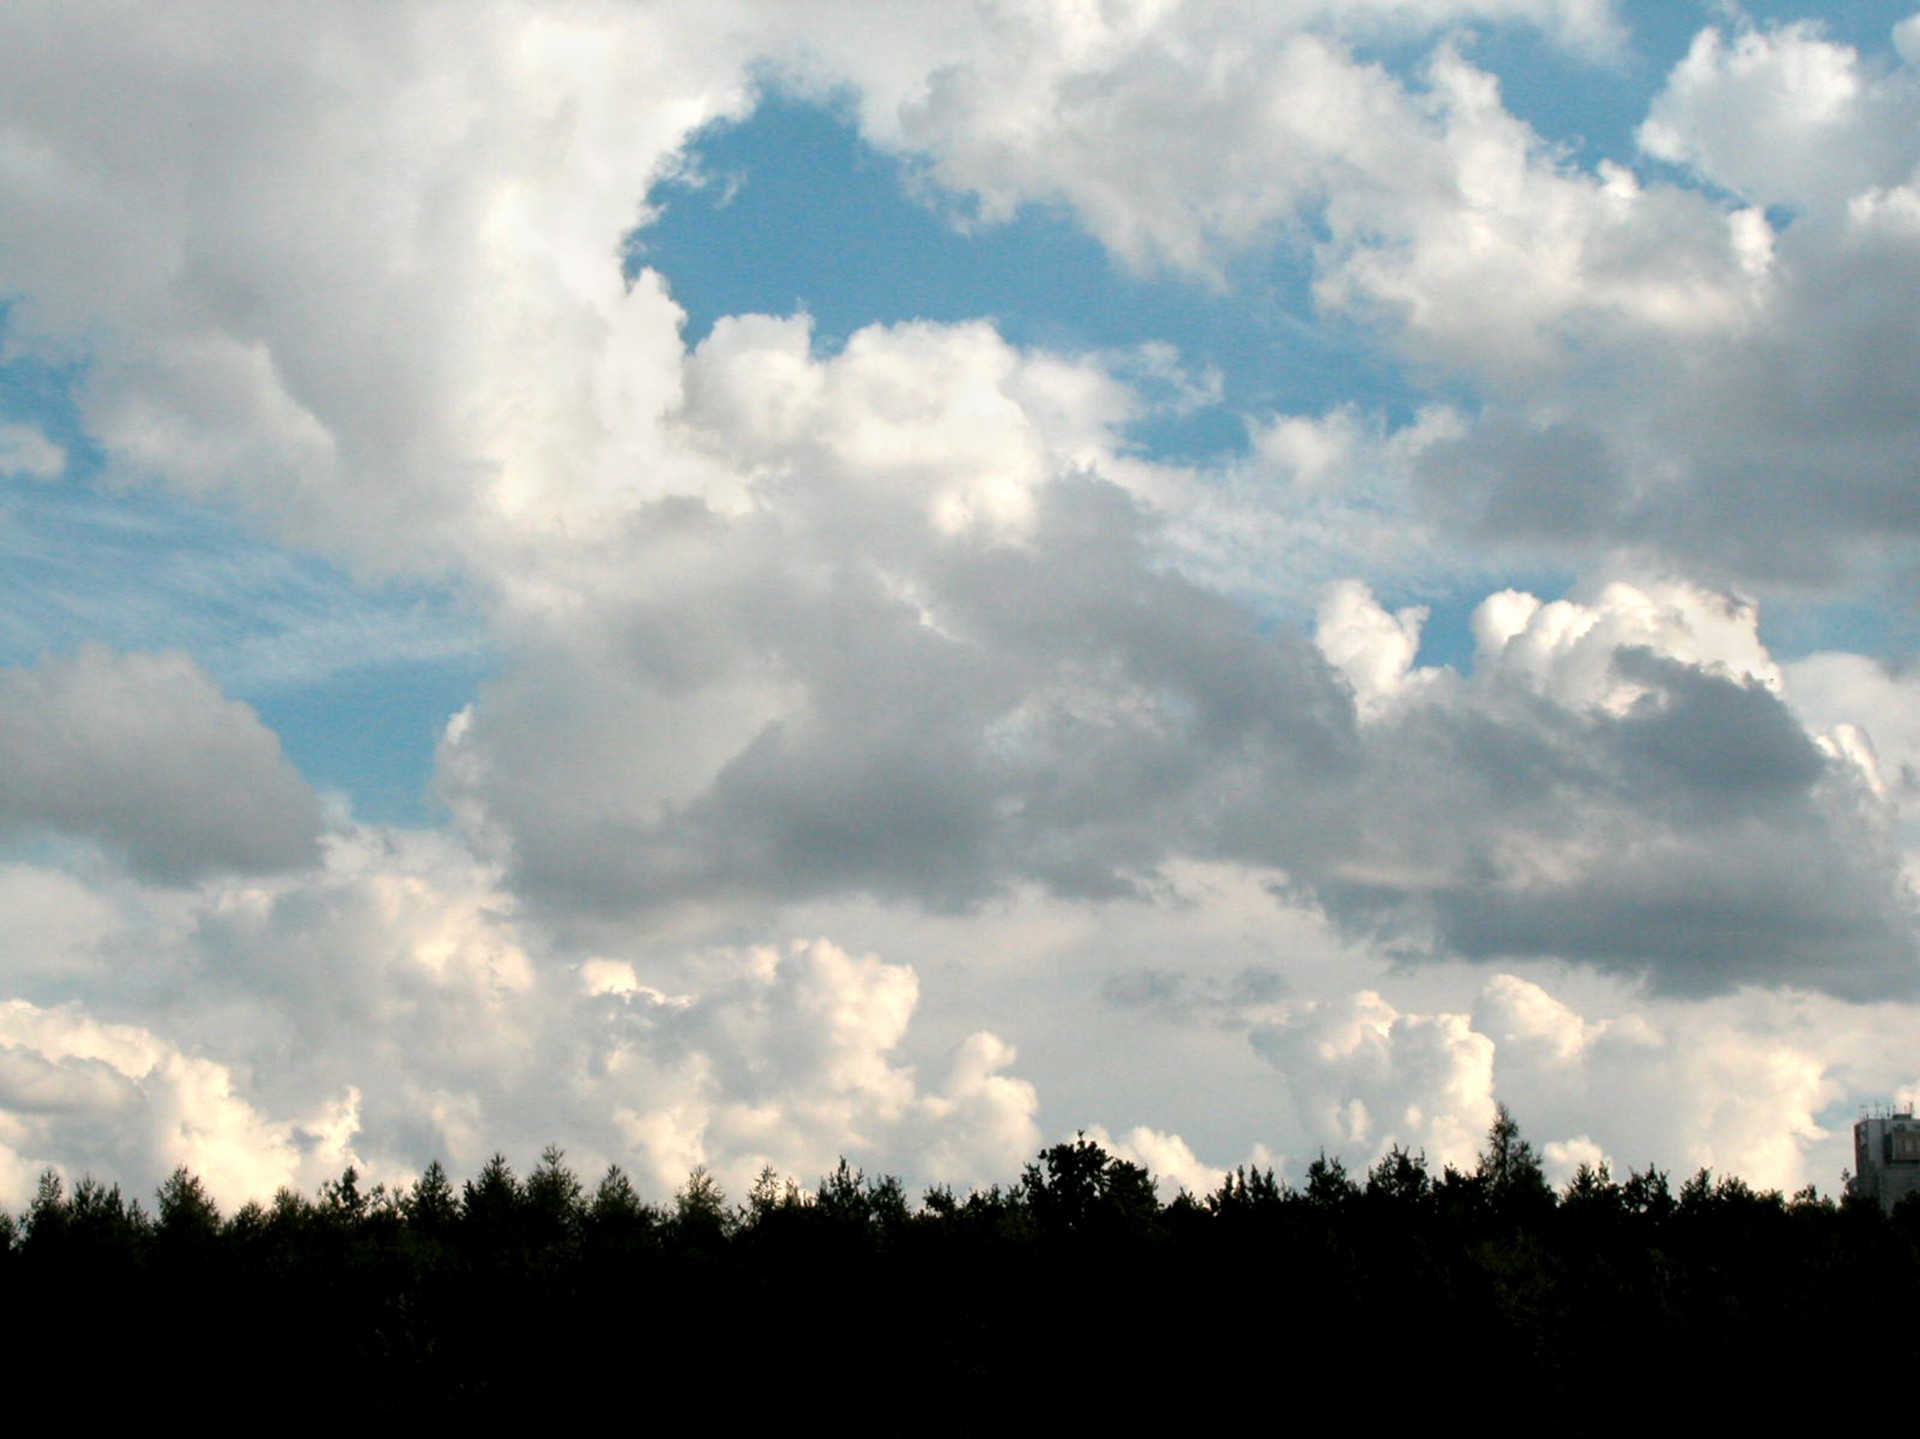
(1588, 107)
(1885, 626)
(371, 732)
(789, 210)
(39, 392)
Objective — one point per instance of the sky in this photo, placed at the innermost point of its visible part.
(737, 584)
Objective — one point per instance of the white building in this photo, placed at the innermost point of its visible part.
(1886, 1157)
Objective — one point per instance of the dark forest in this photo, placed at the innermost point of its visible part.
(505, 1294)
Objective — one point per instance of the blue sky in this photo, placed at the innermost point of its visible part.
(747, 232)
(1049, 516)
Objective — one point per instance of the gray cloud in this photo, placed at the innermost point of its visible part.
(1067, 715)
(1778, 451)
(1697, 837)
(144, 755)
(1514, 485)
(1179, 995)
(1757, 419)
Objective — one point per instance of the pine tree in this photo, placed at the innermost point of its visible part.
(1515, 1184)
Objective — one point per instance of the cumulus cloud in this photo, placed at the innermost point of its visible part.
(1864, 714)
(1079, 106)
(1185, 136)
(859, 684)
(505, 379)
(1751, 419)
(1686, 1087)
(1870, 710)
(1663, 366)
(1621, 783)
(1724, 1096)
(936, 655)
(1502, 263)
(143, 755)
(83, 1096)
(355, 272)
(1785, 116)
(1165, 1156)
(1366, 1077)
(785, 1058)
(1372, 648)
(397, 1005)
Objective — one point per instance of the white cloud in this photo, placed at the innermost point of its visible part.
(948, 423)
(1665, 368)
(1165, 1156)
(981, 1118)
(1730, 1097)
(1366, 1076)
(1317, 500)
(1784, 116)
(1562, 1159)
(364, 281)
(1568, 649)
(1869, 717)
(397, 1004)
(933, 655)
(1737, 1088)
(1736, 404)
(117, 1100)
(1372, 648)
(445, 382)
(1835, 690)
(1484, 254)
(1178, 133)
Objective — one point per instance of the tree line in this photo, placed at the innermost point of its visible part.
(479, 1298)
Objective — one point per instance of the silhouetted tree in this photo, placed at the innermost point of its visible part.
(619, 1225)
(1646, 1194)
(430, 1208)
(555, 1204)
(1079, 1189)
(46, 1226)
(1246, 1192)
(1515, 1185)
(1328, 1185)
(490, 1209)
(842, 1195)
(341, 1200)
(615, 1201)
(887, 1203)
(1400, 1179)
(701, 1220)
(186, 1211)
